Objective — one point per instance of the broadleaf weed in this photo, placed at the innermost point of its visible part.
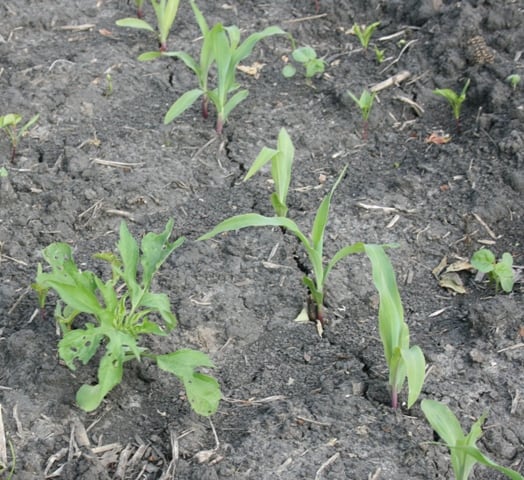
(501, 273)
(121, 310)
(9, 124)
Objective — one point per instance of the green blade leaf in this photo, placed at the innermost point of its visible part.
(415, 365)
(188, 60)
(341, 254)
(155, 250)
(202, 23)
(245, 49)
(265, 155)
(147, 56)
(443, 421)
(391, 312)
(254, 220)
(233, 102)
(182, 104)
(129, 253)
(321, 217)
(203, 391)
(482, 459)
(134, 23)
(29, 124)
(282, 164)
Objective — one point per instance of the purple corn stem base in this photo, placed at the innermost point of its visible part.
(139, 13)
(205, 110)
(365, 131)
(394, 398)
(219, 125)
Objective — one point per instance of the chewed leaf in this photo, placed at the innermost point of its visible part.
(79, 344)
(202, 390)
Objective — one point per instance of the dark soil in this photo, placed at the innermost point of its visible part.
(295, 406)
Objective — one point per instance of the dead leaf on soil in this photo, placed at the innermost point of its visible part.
(105, 32)
(438, 138)
(452, 281)
(253, 69)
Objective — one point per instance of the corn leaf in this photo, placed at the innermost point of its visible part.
(182, 104)
(135, 23)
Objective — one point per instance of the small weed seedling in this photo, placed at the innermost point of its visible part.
(3, 172)
(222, 46)
(281, 163)
(165, 12)
(364, 33)
(513, 80)
(403, 361)
(454, 100)
(122, 310)
(365, 102)
(501, 273)
(464, 452)
(308, 58)
(9, 122)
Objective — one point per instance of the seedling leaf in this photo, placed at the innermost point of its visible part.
(182, 104)
(135, 23)
(203, 392)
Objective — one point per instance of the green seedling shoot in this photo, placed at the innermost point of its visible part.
(379, 55)
(364, 33)
(454, 100)
(9, 122)
(139, 8)
(403, 361)
(501, 273)
(222, 46)
(365, 102)
(464, 451)
(308, 58)
(165, 12)
(120, 311)
(281, 163)
(513, 80)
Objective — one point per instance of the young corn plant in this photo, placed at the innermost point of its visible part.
(121, 310)
(165, 12)
(139, 8)
(454, 100)
(463, 449)
(222, 47)
(365, 102)
(281, 162)
(364, 33)
(309, 60)
(403, 361)
(500, 273)
(9, 123)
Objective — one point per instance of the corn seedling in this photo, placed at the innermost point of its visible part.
(364, 33)
(513, 80)
(379, 55)
(501, 273)
(308, 58)
(165, 12)
(281, 163)
(365, 102)
(463, 449)
(454, 100)
(139, 8)
(122, 310)
(9, 122)
(314, 246)
(222, 46)
(403, 361)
